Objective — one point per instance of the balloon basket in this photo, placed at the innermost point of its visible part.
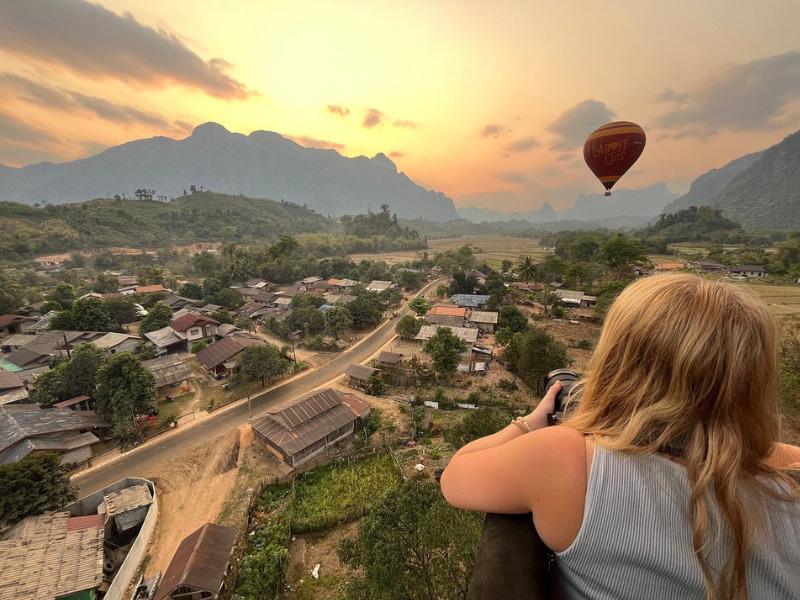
(607, 193)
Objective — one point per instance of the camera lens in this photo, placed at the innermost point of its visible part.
(567, 377)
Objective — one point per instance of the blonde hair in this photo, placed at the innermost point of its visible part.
(689, 365)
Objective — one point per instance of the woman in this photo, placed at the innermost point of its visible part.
(667, 480)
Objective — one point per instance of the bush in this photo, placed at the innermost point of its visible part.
(584, 344)
(198, 346)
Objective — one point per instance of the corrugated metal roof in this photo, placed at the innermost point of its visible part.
(10, 381)
(225, 349)
(112, 339)
(70, 402)
(13, 396)
(200, 562)
(426, 332)
(390, 358)
(449, 311)
(19, 421)
(18, 339)
(190, 320)
(471, 300)
(482, 316)
(163, 337)
(360, 371)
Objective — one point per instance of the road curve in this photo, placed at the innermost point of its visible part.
(144, 459)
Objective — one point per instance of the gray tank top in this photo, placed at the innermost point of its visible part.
(635, 542)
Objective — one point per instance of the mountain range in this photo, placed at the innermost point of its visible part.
(630, 207)
(262, 164)
(759, 190)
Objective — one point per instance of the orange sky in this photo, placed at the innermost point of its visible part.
(487, 102)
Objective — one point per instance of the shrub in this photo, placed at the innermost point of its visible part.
(198, 346)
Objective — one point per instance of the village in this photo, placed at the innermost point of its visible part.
(377, 380)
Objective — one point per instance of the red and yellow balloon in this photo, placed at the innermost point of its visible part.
(610, 150)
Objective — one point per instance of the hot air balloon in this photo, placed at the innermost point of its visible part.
(612, 149)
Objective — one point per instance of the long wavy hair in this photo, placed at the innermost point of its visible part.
(687, 366)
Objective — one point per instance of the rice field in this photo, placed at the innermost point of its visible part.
(492, 249)
(784, 300)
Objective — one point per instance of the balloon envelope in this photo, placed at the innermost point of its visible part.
(612, 149)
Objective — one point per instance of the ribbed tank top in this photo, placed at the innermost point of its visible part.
(635, 542)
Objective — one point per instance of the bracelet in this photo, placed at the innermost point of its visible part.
(522, 424)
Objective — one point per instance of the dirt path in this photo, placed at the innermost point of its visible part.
(192, 490)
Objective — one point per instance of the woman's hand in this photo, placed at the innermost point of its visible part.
(538, 418)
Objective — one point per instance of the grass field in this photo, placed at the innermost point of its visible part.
(492, 249)
(784, 300)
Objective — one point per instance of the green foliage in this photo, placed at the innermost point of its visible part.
(462, 283)
(533, 353)
(408, 327)
(511, 318)
(160, 315)
(223, 315)
(339, 493)
(105, 283)
(11, 296)
(262, 364)
(377, 387)
(527, 269)
(122, 310)
(337, 319)
(609, 294)
(88, 314)
(391, 297)
(419, 305)
(621, 251)
(694, 224)
(383, 224)
(476, 424)
(306, 318)
(442, 290)
(64, 294)
(410, 280)
(445, 349)
(505, 265)
(413, 546)
(244, 322)
(74, 377)
(37, 483)
(198, 346)
(191, 290)
(366, 310)
(125, 390)
(789, 376)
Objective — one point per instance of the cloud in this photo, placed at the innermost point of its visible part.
(493, 130)
(21, 143)
(91, 40)
(405, 123)
(574, 124)
(747, 96)
(312, 142)
(335, 109)
(13, 129)
(523, 145)
(71, 101)
(372, 118)
(513, 177)
(396, 154)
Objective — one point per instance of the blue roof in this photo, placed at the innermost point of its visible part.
(325, 307)
(469, 299)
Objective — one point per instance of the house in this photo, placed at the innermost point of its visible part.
(294, 290)
(16, 341)
(113, 342)
(171, 369)
(378, 285)
(344, 300)
(81, 403)
(426, 332)
(29, 428)
(176, 302)
(26, 358)
(10, 381)
(281, 302)
(484, 320)
(220, 357)
(588, 301)
(311, 280)
(127, 280)
(476, 360)
(570, 297)
(708, 266)
(528, 287)
(341, 286)
(53, 260)
(156, 288)
(359, 375)
(210, 309)
(319, 287)
(11, 324)
(256, 311)
(479, 276)
(670, 266)
(452, 316)
(749, 271)
(358, 406)
(587, 314)
(389, 360)
(199, 566)
(17, 396)
(165, 340)
(258, 283)
(299, 432)
(193, 327)
(469, 300)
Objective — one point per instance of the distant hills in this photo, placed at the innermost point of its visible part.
(760, 190)
(260, 165)
(622, 208)
(203, 216)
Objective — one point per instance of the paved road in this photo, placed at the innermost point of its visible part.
(141, 461)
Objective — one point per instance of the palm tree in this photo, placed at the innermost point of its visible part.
(527, 269)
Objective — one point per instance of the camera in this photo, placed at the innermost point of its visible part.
(568, 378)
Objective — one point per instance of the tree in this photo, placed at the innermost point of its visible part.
(125, 390)
(621, 251)
(10, 294)
(377, 387)
(64, 294)
(87, 314)
(413, 546)
(122, 310)
(463, 283)
(198, 346)
(532, 354)
(366, 310)
(262, 364)
(74, 377)
(476, 424)
(408, 327)
(244, 322)
(160, 315)
(419, 305)
(337, 319)
(442, 290)
(391, 297)
(445, 349)
(37, 483)
(512, 318)
(410, 280)
(527, 269)
(105, 283)
(223, 315)
(506, 265)
(191, 290)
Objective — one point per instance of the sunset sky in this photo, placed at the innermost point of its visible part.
(488, 102)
